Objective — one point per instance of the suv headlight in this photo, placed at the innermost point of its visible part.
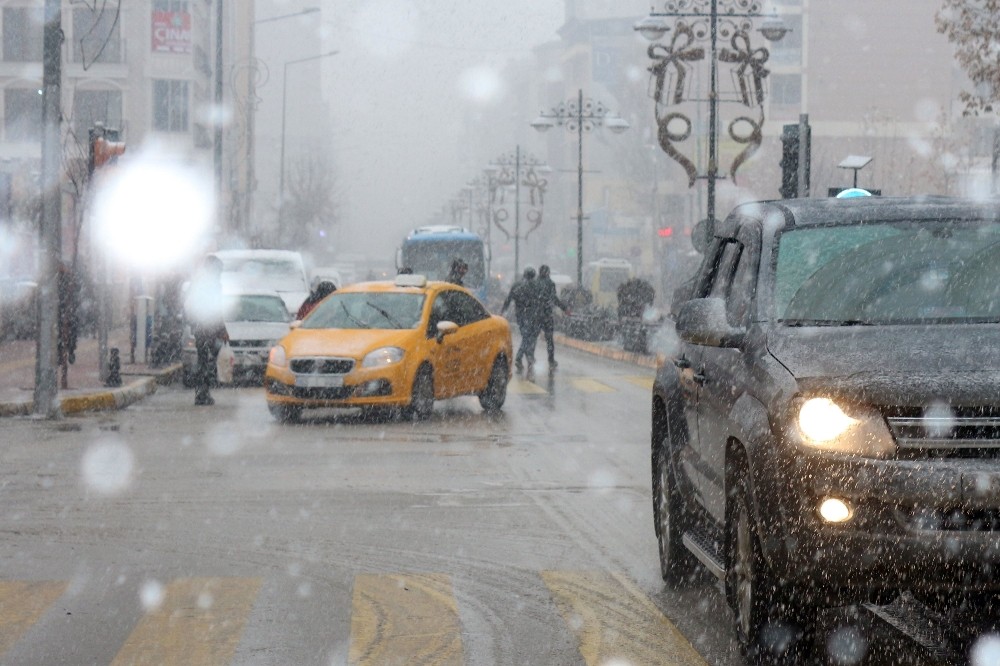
(382, 356)
(820, 423)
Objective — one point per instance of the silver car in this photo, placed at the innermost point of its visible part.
(255, 321)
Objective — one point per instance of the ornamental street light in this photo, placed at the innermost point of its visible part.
(284, 113)
(512, 171)
(576, 116)
(698, 21)
(256, 79)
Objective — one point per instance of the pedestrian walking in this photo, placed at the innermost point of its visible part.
(526, 298)
(204, 310)
(548, 298)
(458, 270)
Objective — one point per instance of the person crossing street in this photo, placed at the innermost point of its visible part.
(526, 298)
(547, 299)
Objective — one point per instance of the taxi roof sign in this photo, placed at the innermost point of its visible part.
(411, 280)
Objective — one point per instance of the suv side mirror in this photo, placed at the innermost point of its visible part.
(702, 321)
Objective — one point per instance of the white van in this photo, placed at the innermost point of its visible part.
(281, 271)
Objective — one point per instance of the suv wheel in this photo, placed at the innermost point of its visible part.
(771, 620)
(285, 413)
(677, 565)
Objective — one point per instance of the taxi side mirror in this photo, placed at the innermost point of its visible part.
(445, 328)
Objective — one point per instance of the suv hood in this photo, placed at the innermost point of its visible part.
(899, 363)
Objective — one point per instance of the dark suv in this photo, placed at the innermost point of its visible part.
(829, 429)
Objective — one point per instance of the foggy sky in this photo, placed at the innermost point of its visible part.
(398, 93)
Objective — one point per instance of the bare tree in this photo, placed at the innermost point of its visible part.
(312, 206)
(972, 27)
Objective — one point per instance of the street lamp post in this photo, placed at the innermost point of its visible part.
(514, 170)
(579, 115)
(253, 82)
(284, 113)
(733, 21)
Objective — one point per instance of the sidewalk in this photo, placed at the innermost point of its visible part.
(86, 392)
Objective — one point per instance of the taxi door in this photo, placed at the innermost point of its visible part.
(464, 356)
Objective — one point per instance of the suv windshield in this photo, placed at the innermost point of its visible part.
(367, 310)
(889, 273)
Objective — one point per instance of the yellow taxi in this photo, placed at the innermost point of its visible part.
(395, 344)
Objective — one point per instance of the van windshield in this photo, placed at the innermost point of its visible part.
(258, 273)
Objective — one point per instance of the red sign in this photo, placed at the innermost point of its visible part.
(171, 32)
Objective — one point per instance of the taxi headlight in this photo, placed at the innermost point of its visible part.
(277, 357)
(381, 357)
(821, 423)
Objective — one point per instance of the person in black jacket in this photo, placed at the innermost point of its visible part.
(458, 270)
(204, 310)
(526, 299)
(547, 299)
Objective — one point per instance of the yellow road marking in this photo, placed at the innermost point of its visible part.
(590, 385)
(616, 623)
(21, 604)
(404, 619)
(199, 622)
(523, 386)
(644, 382)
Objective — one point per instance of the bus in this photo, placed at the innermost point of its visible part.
(430, 251)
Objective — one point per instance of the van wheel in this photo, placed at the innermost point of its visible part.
(285, 413)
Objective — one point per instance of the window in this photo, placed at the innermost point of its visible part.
(788, 50)
(22, 34)
(170, 105)
(462, 308)
(22, 114)
(786, 89)
(170, 5)
(96, 106)
(96, 36)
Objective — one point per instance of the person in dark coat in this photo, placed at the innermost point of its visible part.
(321, 291)
(547, 299)
(525, 296)
(204, 311)
(457, 274)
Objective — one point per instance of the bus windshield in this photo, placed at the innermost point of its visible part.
(433, 256)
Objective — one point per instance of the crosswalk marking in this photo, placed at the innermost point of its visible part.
(404, 618)
(644, 382)
(21, 604)
(395, 619)
(198, 622)
(590, 385)
(524, 387)
(616, 623)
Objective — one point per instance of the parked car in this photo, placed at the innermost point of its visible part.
(399, 344)
(255, 322)
(281, 271)
(829, 430)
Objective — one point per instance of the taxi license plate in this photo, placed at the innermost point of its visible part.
(319, 382)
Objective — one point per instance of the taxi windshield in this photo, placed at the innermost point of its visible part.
(363, 310)
(889, 273)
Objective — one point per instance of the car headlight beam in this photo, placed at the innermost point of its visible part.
(381, 357)
(822, 420)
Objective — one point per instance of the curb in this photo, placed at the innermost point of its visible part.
(646, 360)
(101, 399)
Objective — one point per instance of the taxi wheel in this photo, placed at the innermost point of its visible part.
(285, 413)
(422, 397)
(495, 393)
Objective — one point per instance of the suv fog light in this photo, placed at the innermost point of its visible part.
(834, 510)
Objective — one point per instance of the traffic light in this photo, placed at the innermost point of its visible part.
(790, 139)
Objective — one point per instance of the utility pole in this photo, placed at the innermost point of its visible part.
(50, 232)
(220, 205)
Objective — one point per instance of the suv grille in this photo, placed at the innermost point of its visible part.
(322, 366)
(965, 430)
